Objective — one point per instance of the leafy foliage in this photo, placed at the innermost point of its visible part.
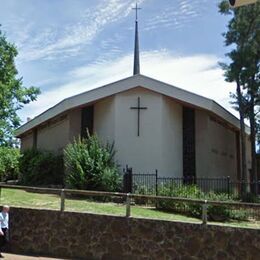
(243, 35)
(9, 163)
(217, 213)
(90, 165)
(142, 190)
(41, 168)
(183, 191)
(13, 95)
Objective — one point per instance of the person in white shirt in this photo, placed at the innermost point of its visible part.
(4, 227)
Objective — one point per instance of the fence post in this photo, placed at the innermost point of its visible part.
(228, 186)
(130, 180)
(156, 182)
(128, 205)
(62, 200)
(205, 213)
(124, 180)
(127, 180)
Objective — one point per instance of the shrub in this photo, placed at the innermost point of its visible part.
(41, 168)
(90, 165)
(143, 190)
(183, 191)
(239, 214)
(216, 213)
(9, 163)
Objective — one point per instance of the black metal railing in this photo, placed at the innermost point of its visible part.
(152, 184)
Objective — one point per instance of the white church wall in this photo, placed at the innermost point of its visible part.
(215, 148)
(172, 148)
(54, 136)
(104, 119)
(159, 145)
(143, 153)
(222, 151)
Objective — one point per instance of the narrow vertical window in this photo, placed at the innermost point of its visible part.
(87, 121)
(35, 136)
(189, 153)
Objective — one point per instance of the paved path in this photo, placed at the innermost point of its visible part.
(25, 257)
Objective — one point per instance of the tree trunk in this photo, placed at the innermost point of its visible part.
(252, 138)
(244, 174)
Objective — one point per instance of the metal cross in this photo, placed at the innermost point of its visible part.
(136, 8)
(138, 108)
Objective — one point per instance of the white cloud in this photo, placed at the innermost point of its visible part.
(199, 74)
(49, 44)
(176, 15)
(55, 42)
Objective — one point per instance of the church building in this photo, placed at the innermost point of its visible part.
(153, 125)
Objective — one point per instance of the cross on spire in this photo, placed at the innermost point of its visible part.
(136, 8)
(136, 52)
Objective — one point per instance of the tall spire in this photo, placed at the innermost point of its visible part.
(136, 54)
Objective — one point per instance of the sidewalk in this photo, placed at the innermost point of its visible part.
(25, 257)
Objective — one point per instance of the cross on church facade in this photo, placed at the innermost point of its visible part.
(138, 108)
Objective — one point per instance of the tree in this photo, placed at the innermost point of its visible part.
(9, 163)
(243, 33)
(250, 75)
(13, 95)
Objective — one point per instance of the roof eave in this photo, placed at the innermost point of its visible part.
(124, 85)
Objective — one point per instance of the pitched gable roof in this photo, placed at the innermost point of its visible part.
(126, 84)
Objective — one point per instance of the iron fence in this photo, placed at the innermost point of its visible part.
(152, 184)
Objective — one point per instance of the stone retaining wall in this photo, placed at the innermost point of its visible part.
(89, 236)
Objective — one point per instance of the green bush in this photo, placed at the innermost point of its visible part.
(90, 166)
(183, 191)
(216, 213)
(239, 214)
(143, 190)
(9, 163)
(41, 168)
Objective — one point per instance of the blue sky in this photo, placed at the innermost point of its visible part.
(70, 46)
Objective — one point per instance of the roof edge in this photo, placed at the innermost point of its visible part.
(123, 85)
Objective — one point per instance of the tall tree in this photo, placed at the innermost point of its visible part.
(243, 34)
(250, 76)
(13, 95)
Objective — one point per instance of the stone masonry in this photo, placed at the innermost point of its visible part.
(90, 236)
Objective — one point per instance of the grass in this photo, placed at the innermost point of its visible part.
(19, 198)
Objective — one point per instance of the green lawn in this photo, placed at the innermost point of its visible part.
(21, 198)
